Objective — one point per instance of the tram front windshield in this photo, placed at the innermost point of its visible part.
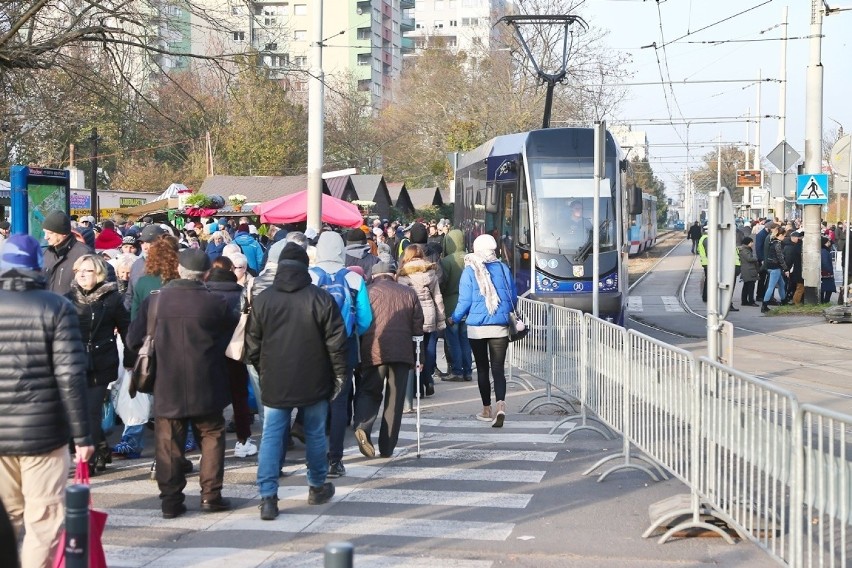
(563, 210)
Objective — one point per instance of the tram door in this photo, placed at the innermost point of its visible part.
(513, 230)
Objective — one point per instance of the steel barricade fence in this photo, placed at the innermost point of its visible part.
(605, 371)
(531, 354)
(662, 387)
(745, 462)
(822, 505)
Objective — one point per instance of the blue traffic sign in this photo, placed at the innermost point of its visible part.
(812, 189)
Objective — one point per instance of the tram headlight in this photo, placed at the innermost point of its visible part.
(609, 282)
(545, 282)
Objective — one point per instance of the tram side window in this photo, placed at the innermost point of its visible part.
(506, 230)
(523, 219)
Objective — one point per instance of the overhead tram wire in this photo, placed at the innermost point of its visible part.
(708, 26)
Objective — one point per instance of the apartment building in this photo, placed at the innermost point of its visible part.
(362, 38)
(464, 25)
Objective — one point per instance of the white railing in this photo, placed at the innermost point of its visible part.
(777, 473)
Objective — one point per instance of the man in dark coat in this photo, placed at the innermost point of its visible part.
(42, 399)
(694, 234)
(358, 252)
(296, 339)
(387, 354)
(793, 257)
(62, 252)
(193, 328)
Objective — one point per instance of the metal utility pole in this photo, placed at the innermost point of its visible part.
(95, 210)
(600, 172)
(315, 125)
(782, 84)
(812, 214)
(756, 165)
(712, 243)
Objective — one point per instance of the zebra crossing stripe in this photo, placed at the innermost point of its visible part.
(509, 425)
(315, 524)
(487, 455)
(490, 436)
(634, 304)
(437, 498)
(207, 557)
(672, 304)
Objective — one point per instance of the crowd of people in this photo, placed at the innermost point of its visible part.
(324, 327)
(769, 260)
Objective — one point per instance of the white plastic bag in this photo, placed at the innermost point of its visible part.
(133, 411)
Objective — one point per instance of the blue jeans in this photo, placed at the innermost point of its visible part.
(430, 344)
(276, 428)
(775, 279)
(456, 337)
(339, 419)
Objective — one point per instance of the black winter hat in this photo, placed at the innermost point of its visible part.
(194, 259)
(292, 251)
(356, 236)
(57, 222)
(419, 234)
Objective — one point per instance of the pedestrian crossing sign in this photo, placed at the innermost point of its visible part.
(812, 189)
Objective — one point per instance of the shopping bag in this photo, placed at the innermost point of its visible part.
(107, 417)
(133, 411)
(97, 522)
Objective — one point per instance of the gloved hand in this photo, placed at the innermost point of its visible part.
(338, 386)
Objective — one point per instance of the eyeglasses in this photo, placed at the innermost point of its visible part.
(239, 267)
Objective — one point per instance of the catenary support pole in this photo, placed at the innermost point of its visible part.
(812, 214)
(848, 216)
(315, 124)
(782, 111)
(711, 245)
(600, 162)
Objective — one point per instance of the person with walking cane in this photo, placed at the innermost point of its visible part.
(487, 296)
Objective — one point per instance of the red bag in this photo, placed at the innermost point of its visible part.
(97, 522)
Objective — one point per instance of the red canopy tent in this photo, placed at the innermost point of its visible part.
(294, 209)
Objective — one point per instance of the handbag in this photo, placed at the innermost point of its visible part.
(237, 345)
(97, 522)
(144, 372)
(517, 328)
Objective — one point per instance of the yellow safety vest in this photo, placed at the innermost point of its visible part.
(702, 250)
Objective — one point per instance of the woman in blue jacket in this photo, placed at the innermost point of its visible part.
(487, 296)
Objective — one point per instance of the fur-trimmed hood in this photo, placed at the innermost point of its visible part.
(78, 295)
(416, 266)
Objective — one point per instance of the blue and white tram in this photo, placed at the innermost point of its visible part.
(534, 192)
(642, 232)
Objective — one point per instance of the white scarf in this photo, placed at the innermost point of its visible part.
(477, 261)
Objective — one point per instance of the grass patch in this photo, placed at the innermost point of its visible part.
(800, 310)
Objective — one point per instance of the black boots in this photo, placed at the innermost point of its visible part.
(764, 307)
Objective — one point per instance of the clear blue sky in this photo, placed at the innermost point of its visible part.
(634, 23)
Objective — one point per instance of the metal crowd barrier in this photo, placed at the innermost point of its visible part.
(777, 473)
(822, 497)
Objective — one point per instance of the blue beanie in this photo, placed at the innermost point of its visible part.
(21, 251)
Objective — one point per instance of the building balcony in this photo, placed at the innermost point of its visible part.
(406, 24)
(406, 4)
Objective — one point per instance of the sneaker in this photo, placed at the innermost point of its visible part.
(364, 443)
(336, 469)
(190, 446)
(153, 472)
(215, 505)
(245, 450)
(500, 416)
(485, 415)
(468, 378)
(320, 495)
(123, 449)
(268, 508)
